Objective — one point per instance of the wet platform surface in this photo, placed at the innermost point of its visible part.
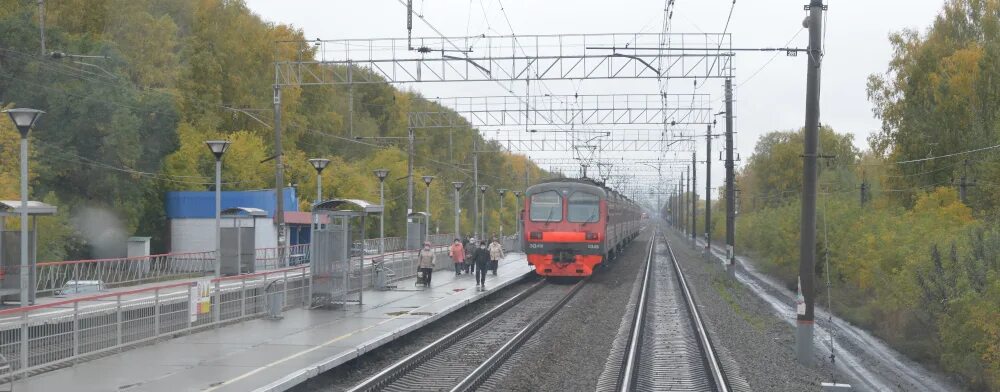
(273, 355)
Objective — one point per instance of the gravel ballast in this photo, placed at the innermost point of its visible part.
(754, 342)
(353, 372)
(570, 351)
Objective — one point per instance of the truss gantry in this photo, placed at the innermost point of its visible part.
(505, 58)
(577, 109)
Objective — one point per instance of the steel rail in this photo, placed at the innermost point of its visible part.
(403, 366)
(631, 361)
(481, 373)
(711, 359)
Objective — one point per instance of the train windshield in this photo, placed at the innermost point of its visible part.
(584, 207)
(546, 207)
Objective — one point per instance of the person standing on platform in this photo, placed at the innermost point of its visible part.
(481, 258)
(457, 254)
(496, 253)
(470, 265)
(425, 263)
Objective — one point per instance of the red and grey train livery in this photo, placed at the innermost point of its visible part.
(572, 225)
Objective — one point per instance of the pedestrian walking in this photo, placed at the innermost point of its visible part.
(425, 263)
(457, 254)
(496, 253)
(482, 260)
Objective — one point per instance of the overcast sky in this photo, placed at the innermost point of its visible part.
(770, 90)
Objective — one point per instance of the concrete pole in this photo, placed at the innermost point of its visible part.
(409, 173)
(501, 213)
(682, 204)
(730, 180)
(279, 177)
(41, 23)
(807, 248)
(475, 187)
(457, 186)
(427, 226)
(708, 188)
(694, 196)
(482, 219)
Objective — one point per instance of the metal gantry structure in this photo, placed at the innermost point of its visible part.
(506, 58)
(596, 128)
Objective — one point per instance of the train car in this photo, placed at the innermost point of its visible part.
(571, 226)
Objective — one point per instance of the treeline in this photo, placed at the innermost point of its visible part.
(906, 256)
(128, 123)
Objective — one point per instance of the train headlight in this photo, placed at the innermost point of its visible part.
(535, 235)
(591, 236)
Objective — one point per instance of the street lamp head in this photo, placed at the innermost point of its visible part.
(381, 174)
(517, 194)
(24, 119)
(428, 179)
(319, 164)
(218, 147)
(457, 185)
(483, 188)
(502, 191)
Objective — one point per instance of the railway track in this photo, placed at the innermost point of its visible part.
(463, 359)
(668, 346)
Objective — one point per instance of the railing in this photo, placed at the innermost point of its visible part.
(53, 277)
(42, 337)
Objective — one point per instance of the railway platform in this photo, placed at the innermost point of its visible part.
(274, 355)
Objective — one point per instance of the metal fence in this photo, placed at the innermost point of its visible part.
(43, 337)
(54, 276)
(74, 277)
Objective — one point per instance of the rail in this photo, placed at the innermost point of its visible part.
(484, 370)
(629, 369)
(718, 376)
(394, 371)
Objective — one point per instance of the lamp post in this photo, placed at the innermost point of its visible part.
(381, 174)
(502, 193)
(458, 187)
(427, 227)
(482, 219)
(218, 147)
(319, 164)
(24, 119)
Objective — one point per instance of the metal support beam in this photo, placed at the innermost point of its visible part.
(508, 58)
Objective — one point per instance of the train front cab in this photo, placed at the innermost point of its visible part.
(565, 231)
